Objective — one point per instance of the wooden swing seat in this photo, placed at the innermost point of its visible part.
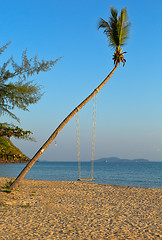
(91, 179)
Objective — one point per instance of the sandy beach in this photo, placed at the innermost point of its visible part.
(79, 210)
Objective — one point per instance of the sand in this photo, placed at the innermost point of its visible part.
(79, 210)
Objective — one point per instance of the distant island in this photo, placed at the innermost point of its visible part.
(116, 159)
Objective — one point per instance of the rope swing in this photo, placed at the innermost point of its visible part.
(93, 140)
(93, 132)
(78, 143)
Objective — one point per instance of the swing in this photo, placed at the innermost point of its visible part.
(93, 141)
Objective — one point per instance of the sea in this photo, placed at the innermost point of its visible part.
(134, 174)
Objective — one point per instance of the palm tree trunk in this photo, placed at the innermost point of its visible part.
(58, 129)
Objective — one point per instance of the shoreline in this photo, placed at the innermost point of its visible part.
(9, 162)
(79, 210)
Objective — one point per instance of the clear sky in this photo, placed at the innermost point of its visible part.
(129, 107)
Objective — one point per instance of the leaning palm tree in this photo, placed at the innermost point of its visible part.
(116, 30)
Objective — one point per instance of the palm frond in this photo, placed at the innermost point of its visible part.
(123, 27)
(113, 20)
(103, 24)
(117, 28)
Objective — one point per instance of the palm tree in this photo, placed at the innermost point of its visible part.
(116, 30)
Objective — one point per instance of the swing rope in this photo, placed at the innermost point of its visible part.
(78, 143)
(93, 133)
(93, 139)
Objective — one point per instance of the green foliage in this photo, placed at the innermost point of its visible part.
(15, 90)
(117, 31)
(7, 185)
(117, 28)
(10, 130)
(9, 153)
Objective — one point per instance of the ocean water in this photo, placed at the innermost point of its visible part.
(135, 174)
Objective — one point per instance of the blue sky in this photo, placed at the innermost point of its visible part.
(129, 107)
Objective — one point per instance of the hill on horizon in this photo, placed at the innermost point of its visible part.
(116, 159)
